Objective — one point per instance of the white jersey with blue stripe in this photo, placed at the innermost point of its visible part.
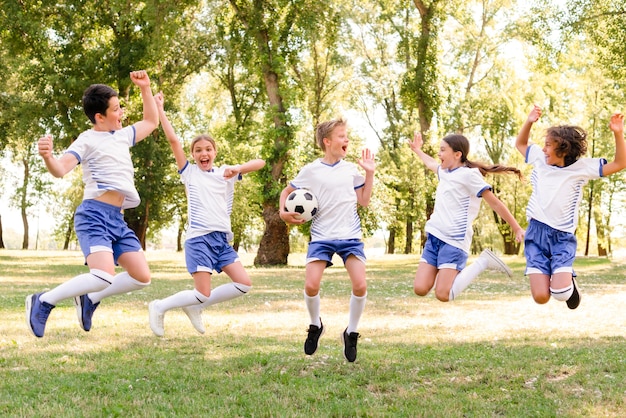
(107, 164)
(457, 203)
(209, 200)
(334, 186)
(557, 191)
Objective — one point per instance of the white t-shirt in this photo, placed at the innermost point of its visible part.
(107, 165)
(209, 200)
(557, 190)
(334, 187)
(457, 202)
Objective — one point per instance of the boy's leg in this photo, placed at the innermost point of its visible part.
(136, 276)
(313, 278)
(350, 336)
(39, 306)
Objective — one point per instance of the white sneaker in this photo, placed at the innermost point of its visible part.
(195, 316)
(494, 263)
(156, 319)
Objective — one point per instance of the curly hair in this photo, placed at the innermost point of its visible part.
(570, 141)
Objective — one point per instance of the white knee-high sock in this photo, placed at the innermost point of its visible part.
(466, 276)
(93, 281)
(226, 292)
(181, 299)
(313, 306)
(122, 283)
(357, 305)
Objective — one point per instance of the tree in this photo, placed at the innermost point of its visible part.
(279, 30)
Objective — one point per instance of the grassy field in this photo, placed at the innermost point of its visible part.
(492, 352)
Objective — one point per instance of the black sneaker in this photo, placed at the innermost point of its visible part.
(315, 332)
(573, 300)
(349, 345)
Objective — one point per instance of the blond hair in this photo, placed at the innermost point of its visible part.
(204, 137)
(324, 129)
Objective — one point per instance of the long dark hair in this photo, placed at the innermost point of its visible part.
(460, 143)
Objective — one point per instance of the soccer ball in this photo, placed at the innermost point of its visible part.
(303, 202)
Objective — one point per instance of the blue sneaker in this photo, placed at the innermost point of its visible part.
(37, 313)
(84, 310)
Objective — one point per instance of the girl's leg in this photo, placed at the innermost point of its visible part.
(424, 278)
(188, 300)
(540, 287)
(240, 286)
(563, 288)
(445, 279)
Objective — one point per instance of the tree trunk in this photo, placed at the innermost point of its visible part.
(275, 240)
(179, 238)
(24, 202)
(408, 244)
(68, 234)
(391, 243)
(1, 237)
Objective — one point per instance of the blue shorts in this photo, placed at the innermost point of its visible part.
(209, 252)
(101, 227)
(324, 250)
(548, 250)
(443, 256)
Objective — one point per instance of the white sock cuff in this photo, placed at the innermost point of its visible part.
(310, 297)
(198, 295)
(135, 281)
(359, 297)
(562, 294)
(243, 288)
(102, 275)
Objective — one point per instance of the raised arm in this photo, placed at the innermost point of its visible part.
(367, 163)
(58, 167)
(416, 147)
(150, 120)
(619, 162)
(168, 129)
(247, 167)
(521, 143)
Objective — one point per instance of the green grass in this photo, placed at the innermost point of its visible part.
(492, 352)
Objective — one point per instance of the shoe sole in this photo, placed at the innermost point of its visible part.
(152, 308)
(79, 313)
(198, 327)
(29, 308)
(501, 263)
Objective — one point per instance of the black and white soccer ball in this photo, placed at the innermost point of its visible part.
(302, 201)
